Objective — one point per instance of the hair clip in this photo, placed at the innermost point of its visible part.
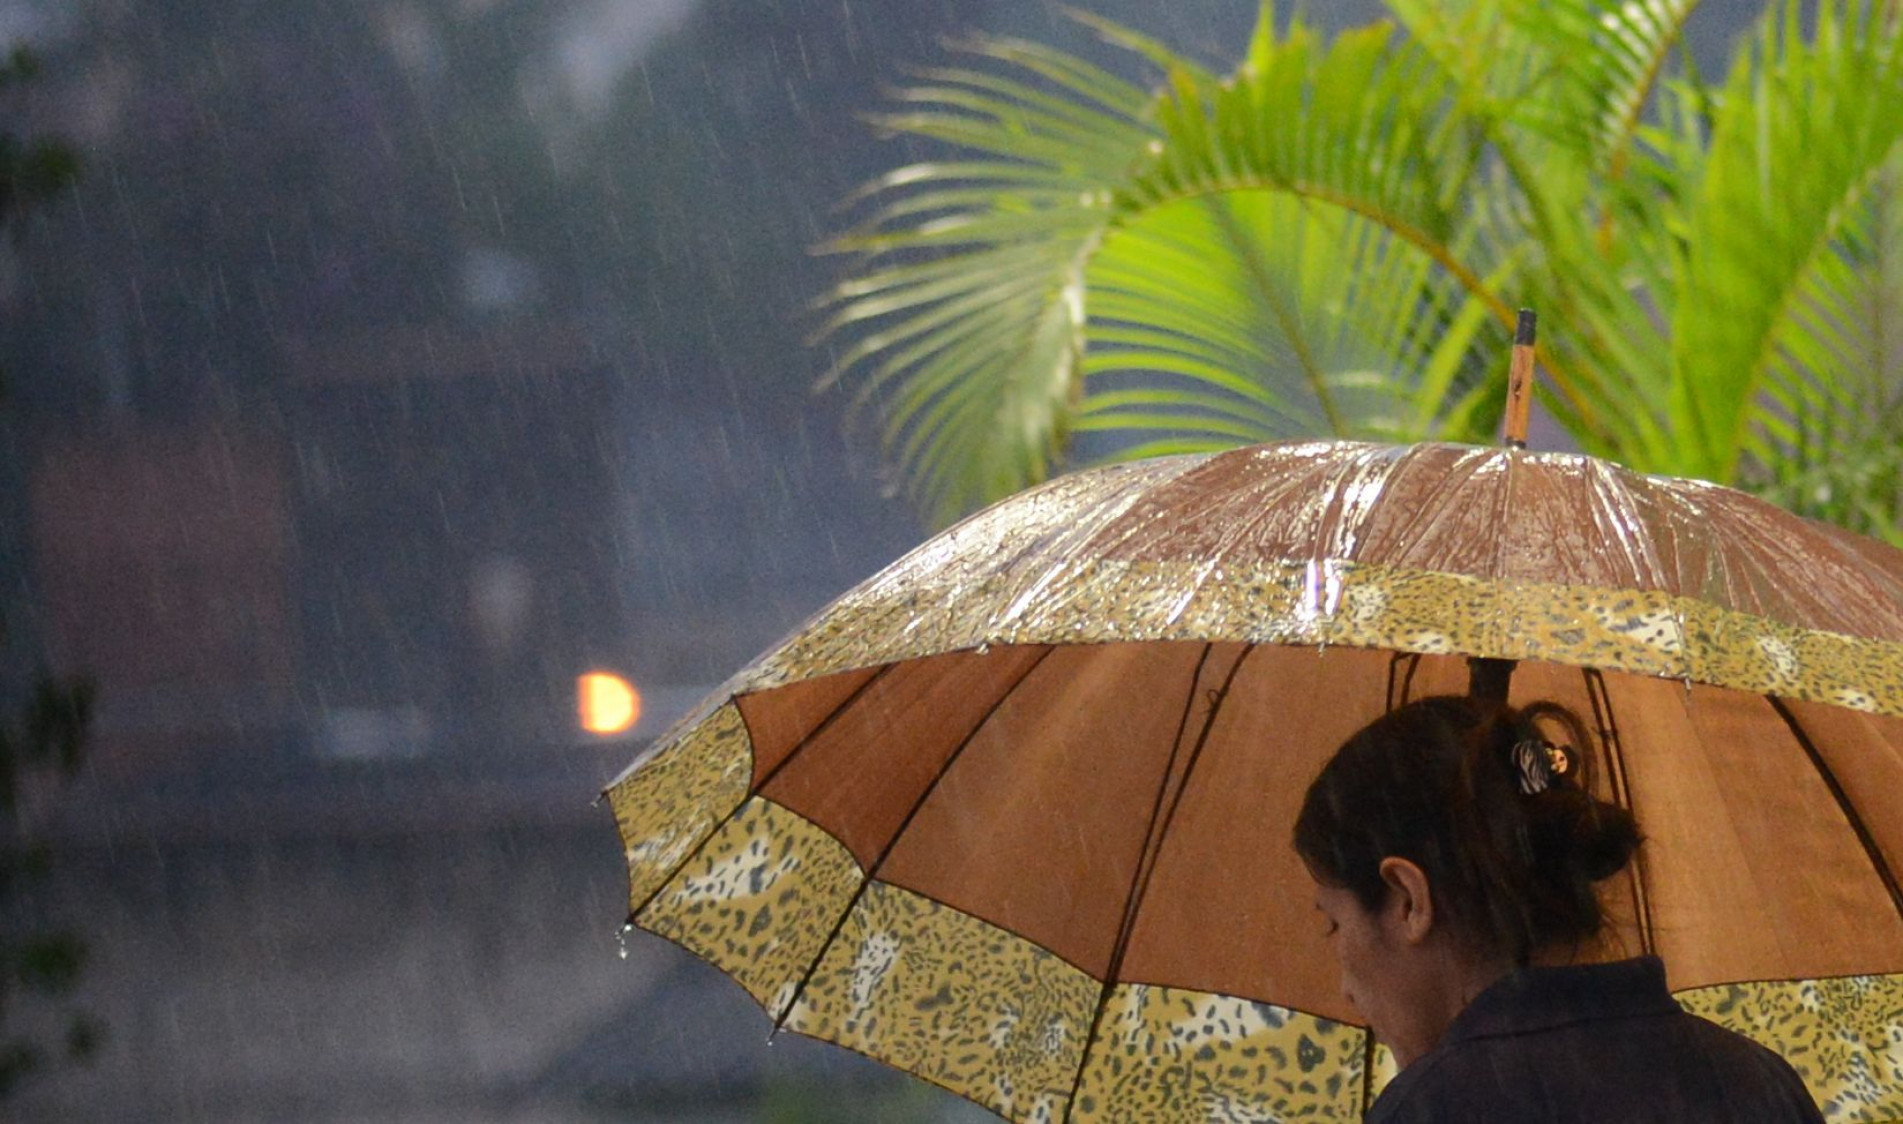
(1541, 764)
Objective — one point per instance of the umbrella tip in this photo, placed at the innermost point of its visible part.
(1520, 380)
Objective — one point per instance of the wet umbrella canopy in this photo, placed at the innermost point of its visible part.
(1014, 814)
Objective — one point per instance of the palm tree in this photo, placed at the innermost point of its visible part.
(1324, 240)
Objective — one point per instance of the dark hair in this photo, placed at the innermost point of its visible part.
(1437, 782)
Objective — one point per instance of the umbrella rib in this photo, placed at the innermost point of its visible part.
(1152, 847)
(1608, 724)
(1367, 1075)
(1156, 810)
(872, 872)
(1503, 530)
(824, 725)
(1413, 661)
(754, 790)
(1870, 849)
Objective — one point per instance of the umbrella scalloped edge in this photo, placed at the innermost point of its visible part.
(981, 1011)
(1348, 604)
(1182, 1057)
(779, 904)
(759, 899)
(949, 997)
(669, 803)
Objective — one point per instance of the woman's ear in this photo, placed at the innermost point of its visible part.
(1409, 911)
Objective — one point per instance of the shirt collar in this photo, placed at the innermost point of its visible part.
(1543, 998)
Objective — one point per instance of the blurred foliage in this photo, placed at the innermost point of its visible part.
(41, 746)
(1331, 238)
(30, 170)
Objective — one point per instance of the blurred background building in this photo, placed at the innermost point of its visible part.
(392, 365)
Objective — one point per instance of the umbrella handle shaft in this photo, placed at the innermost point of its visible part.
(1520, 381)
(1489, 680)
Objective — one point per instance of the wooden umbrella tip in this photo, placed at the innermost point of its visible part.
(1520, 381)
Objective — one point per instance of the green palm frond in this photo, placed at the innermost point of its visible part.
(966, 318)
(1252, 315)
(1360, 131)
(1560, 91)
(1479, 47)
(1839, 371)
(1077, 195)
(1358, 124)
(1606, 60)
(1808, 123)
(1324, 241)
(1155, 52)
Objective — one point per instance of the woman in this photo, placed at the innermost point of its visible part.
(1455, 853)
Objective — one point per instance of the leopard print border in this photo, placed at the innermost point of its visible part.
(1184, 1057)
(954, 1000)
(994, 1018)
(1843, 1036)
(669, 804)
(1645, 632)
(758, 900)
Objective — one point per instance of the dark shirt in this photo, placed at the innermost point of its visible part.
(1596, 1044)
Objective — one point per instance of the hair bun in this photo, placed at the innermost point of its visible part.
(1606, 839)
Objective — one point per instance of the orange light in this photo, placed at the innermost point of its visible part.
(608, 703)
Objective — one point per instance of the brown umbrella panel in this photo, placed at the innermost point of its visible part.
(1015, 814)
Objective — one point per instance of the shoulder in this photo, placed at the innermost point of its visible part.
(1677, 1067)
(1429, 1090)
(1743, 1063)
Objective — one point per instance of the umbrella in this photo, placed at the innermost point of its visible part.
(1014, 814)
